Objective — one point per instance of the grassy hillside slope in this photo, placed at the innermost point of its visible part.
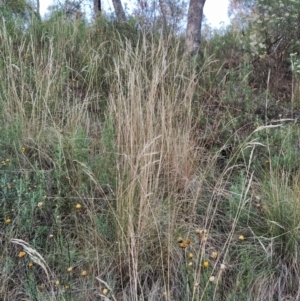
(131, 172)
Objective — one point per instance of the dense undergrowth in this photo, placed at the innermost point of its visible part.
(132, 172)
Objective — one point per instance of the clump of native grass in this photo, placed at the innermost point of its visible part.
(167, 184)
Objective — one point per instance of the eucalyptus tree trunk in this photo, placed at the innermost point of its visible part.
(193, 30)
(119, 10)
(97, 7)
(163, 9)
(38, 6)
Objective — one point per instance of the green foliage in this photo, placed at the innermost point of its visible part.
(12, 25)
(295, 63)
(270, 34)
(17, 7)
(273, 27)
(107, 160)
(280, 148)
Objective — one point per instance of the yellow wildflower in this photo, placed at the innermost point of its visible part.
(70, 269)
(83, 273)
(22, 254)
(241, 238)
(179, 240)
(214, 255)
(206, 264)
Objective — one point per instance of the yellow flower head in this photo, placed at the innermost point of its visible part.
(57, 282)
(214, 255)
(241, 238)
(30, 265)
(206, 264)
(191, 255)
(179, 240)
(78, 206)
(183, 245)
(104, 291)
(83, 273)
(8, 221)
(202, 232)
(187, 241)
(70, 269)
(22, 254)
(23, 149)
